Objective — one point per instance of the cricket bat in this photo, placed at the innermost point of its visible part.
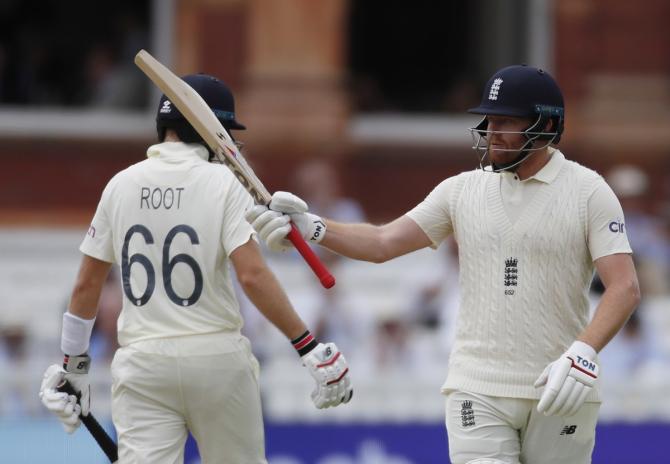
(203, 120)
(104, 441)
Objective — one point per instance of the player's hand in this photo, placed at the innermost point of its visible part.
(66, 407)
(329, 369)
(273, 223)
(568, 381)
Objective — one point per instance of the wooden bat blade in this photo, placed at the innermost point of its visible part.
(200, 116)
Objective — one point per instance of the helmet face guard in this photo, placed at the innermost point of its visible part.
(534, 133)
(519, 92)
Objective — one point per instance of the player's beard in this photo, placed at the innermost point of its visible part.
(502, 155)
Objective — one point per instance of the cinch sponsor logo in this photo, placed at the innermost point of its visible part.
(617, 227)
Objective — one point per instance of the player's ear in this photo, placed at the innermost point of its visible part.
(550, 126)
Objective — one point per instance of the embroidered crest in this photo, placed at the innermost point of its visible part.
(495, 88)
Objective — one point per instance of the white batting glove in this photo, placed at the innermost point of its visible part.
(327, 366)
(272, 223)
(66, 407)
(568, 381)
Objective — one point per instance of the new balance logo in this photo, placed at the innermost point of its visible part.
(495, 89)
(568, 430)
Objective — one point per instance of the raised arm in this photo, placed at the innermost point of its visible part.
(377, 244)
(365, 242)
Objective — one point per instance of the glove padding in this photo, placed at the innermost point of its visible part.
(273, 223)
(66, 407)
(568, 381)
(327, 366)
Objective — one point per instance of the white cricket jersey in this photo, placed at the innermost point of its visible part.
(171, 222)
(526, 252)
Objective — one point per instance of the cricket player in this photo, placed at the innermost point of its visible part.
(531, 228)
(174, 223)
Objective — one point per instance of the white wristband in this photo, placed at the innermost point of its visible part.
(76, 334)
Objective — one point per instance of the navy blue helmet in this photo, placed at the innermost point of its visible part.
(215, 93)
(525, 92)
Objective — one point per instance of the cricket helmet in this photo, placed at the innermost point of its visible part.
(218, 97)
(524, 92)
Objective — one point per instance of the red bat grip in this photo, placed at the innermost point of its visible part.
(326, 278)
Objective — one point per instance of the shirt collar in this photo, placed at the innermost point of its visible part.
(176, 152)
(550, 170)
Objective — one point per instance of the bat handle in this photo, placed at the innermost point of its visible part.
(104, 441)
(326, 278)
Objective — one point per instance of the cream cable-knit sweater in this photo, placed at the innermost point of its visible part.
(523, 286)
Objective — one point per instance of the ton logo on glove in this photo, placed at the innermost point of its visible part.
(586, 363)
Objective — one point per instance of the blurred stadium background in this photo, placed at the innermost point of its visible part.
(367, 100)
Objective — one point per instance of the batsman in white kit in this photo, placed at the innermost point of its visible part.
(174, 223)
(531, 229)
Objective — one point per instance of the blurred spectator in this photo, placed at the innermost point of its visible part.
(392, 340)
(633, 366)
(461, 95)
(73, 53)
(664, 209)
(13, 358)
(337, 320)
(628, 351)
(437, 303)
(317, 182)
(111, 81)
(651, 250)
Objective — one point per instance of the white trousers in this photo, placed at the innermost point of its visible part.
(512, 431)
(205, 384)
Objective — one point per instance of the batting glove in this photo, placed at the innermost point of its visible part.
(568, 381)
(326, 364)
(273, 223)
(67, 408)
(328, 368)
